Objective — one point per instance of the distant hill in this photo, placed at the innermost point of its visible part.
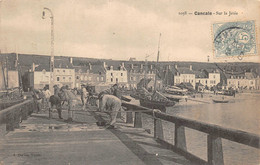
(27, 59)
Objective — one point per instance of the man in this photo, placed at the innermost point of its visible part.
(56, 90)
(36, 94)
(84, 96)
(47, 95)
(111, 105)
(109, 91)
(72, 100)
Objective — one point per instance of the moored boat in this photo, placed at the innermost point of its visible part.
(161, 105)
(220, 101)
(155, 100)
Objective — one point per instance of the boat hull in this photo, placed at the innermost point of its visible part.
(220, 101)
(156, 104)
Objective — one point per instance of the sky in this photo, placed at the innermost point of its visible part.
(121, 29)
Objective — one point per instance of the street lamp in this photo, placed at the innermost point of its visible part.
(52, 48)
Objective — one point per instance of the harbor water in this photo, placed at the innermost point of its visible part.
(242, 113)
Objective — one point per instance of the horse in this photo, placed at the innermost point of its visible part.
(56, 101)
(70, 97)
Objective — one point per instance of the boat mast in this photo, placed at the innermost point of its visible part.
(7, 83)
(158, 54)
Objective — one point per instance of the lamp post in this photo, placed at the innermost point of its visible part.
(52, 48)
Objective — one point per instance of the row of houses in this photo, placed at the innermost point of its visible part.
(36, 73)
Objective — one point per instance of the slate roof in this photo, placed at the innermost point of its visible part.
(62, 63)
(83, 69)
(26, 61)
(183, 70)
(97, 69)
(117, 65)
(200, 74)
(247, 75)
(139, 68)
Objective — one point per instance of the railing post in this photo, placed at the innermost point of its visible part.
(215, 152)
(179, 137)
(10, 122)
(138, 120)
(129, 117)
(158, 129)
(17, 119)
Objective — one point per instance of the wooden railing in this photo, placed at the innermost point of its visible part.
(11, 117)
(214, 133)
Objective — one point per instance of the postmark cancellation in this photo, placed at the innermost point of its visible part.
(234, 39)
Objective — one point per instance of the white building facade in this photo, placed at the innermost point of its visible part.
(115, 74)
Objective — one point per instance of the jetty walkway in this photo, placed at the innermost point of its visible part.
(32, 138)
(40, 140)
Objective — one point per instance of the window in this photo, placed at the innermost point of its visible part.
(121, 74)
(111, 74)
(69, 78)
(77, 77)
(102, 78)
(58, 78)
(58, 70)
(131, 78)
(64, 71)
(214, 76)
(111, 79)
(206, 81)
(64, 78)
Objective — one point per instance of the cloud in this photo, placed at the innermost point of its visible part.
(117, 29)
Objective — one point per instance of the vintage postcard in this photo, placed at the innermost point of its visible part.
(129, 82)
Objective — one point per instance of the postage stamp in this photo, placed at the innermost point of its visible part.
(233, 39)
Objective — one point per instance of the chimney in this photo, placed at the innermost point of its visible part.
(151, 66)
(142, 66)
(104, 64)
(71, 60)
(169, 67)
(90, 66)
(132, 66)
(123, 64)
(190, 67)
(176, 66)
(111, 67)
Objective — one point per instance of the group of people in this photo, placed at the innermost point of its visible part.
(109, 100)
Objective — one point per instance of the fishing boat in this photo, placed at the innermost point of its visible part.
(156, 100)
(220, 101)
(174, 93)
(8, 96)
